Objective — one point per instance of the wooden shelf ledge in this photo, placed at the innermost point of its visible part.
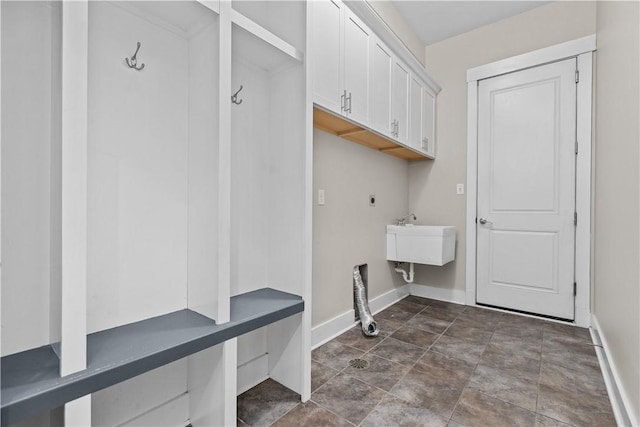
(343, 128)
(31, 382)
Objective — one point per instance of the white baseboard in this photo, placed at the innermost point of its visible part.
(383, 301)
(456, 296)
(620, 401)
(252, 373)
(330, 329)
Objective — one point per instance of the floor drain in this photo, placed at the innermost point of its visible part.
(359, 363)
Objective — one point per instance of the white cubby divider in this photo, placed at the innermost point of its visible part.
(184, 227)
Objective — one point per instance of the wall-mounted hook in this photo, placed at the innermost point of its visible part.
(133, 63)
(234, 97)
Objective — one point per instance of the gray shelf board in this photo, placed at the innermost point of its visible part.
(31, 382)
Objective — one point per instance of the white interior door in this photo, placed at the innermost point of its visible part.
(526, 190)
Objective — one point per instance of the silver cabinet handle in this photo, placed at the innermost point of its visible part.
(425, 143)
(343, 101)
(349, 99)
(484, 221)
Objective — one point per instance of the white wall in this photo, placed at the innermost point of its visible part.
(616, 203)
(138, 153)
(433, 184)
(346, 230)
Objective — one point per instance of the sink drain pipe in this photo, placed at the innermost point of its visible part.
(407, 277)
(369, 326)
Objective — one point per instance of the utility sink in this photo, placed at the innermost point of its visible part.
(421, 244)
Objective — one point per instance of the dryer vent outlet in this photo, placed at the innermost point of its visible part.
(361, 305)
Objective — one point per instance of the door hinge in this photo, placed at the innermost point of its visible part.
(576, 147)
(575, 218)
(577, 76)
(575, 289)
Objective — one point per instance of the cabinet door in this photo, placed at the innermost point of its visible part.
(428, 141)
(400, 101)
(357, 45)
(381, 69)
(327, 54)
(415, 113)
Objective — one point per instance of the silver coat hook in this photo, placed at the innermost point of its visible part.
(133, 63)
(234, 97)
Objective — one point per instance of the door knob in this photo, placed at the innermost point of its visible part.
(484, 221)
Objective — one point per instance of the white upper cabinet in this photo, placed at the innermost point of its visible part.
(341, 45)
(428, 140)
(421, 117)
(362, 72)
(400, 102)
(357, 46)
(381, 68)
(415, 113)
(327, 37)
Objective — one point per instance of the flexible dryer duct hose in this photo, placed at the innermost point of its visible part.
(369, 326)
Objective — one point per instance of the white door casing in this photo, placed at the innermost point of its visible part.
(526, 190)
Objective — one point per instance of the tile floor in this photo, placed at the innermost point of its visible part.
(442, 364)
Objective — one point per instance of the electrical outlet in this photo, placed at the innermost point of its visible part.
(459, 188)
(320, 197)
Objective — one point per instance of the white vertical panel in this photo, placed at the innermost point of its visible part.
(75, 38)
(224, 164)
(285, 344)
(1, 352)
(230, 366)
(77, 413)
(74, 186)
(307, 228)
(55, 243)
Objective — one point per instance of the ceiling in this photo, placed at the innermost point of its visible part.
(433, 21)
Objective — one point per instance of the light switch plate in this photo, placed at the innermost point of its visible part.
(320, 197)
(459, 188)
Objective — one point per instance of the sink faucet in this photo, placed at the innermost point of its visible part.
(403, 220)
